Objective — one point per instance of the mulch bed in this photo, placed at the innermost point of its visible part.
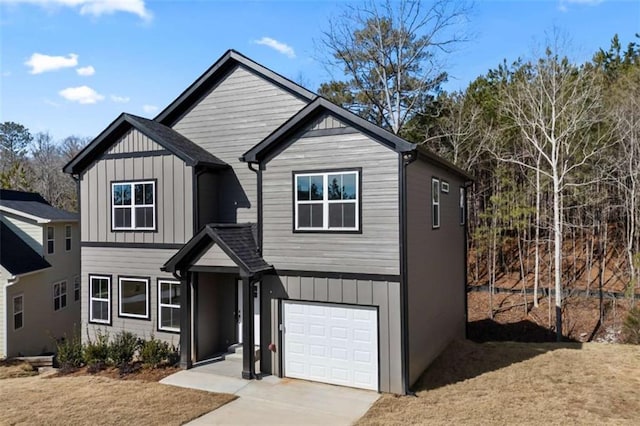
(138, 372)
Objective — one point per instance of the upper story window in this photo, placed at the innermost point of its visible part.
(435, 202)
(67, 237)
(327, 201)
(51, 242)
(133, 205)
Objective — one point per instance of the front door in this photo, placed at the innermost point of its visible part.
(256, 313)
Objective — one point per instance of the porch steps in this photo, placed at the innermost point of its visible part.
(235, 352)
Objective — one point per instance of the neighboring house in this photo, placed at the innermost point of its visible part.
(39, 274)
(251, 210)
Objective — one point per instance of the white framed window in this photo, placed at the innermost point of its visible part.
(67, 237)
(169, 305)
(435, 202)
(133, 297)
(463, 206)
(100, 299)
(51, 241)
(59, 295)
(327, 201)
(133, 205)
(76, 288)
(18, 312)
(445, 187)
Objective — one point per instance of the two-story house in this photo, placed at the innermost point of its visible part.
(39, 274)
(251, 210)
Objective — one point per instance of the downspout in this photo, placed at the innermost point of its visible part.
(258, 173)
(404, 159)
(466, 187)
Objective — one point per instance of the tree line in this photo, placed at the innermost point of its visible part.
(34, 162)
(553, 144)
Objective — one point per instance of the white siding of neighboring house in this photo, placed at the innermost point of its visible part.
(3, 311)
(29, 230)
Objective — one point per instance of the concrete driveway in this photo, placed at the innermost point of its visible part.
(273, 400)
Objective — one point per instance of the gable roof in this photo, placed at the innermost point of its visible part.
(32, 206)
(21, 258)
(282, 136)
(266, 149)
(214, 74)
(183, 148)
(236, 240)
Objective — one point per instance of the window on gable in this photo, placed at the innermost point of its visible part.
(18, 312)
(327, 201)
(100, 299)
(169, 305)
(59, 295)
(435, 202)
(50, 239)
(133, 297)
(463, 206)
(67, 237)
(133, 205)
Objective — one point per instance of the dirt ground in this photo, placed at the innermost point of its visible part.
(136, 373)
(521, 383)
(99, 400)
(515, 321)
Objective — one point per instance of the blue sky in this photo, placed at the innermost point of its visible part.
(102, 57)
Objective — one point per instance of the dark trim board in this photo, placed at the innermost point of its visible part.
(138, 154)
(166, 246)
(337, 275)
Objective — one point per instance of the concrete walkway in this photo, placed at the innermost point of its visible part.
(273, 400)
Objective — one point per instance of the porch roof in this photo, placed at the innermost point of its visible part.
(235, 240)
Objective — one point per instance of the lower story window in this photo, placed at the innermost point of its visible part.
(18, 312)
(133, 297)
(59, 295)
(169, 305)
(100, 299)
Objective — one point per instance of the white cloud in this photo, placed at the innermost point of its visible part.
(81, 94)
(40, 63)
(95, 7)
(283, 48)
(149, 108)
(562, 6)
(6, 73)
(120, 99)
(86, 71)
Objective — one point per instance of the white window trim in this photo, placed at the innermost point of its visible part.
(165, 305)
(52, 239)
(463, 206)
(444, 187)
(133, 206)
(435, 204)
(13, 308)
(325, 201)
(99, 299)
(68, 238)
(59, 283)
(146, 305)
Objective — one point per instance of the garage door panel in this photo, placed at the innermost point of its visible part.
(331, 343)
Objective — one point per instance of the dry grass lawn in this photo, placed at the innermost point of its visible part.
(89, 400)
(521, 383)
(15, 369)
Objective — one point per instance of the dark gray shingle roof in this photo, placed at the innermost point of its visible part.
(33, 204)
(15, 254)
(236, 240)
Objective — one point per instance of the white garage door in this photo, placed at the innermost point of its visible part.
(331, 344)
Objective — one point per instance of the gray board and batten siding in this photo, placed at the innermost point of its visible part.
(375, 250)
(385, 295)
(240, 111)
(174, 194)
(134, 141)
(125, 262)
(436, 266)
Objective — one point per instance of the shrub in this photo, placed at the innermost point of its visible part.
(154, 352)
(96, 352)
(631, 327)
(69, 353)
(123, 348)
